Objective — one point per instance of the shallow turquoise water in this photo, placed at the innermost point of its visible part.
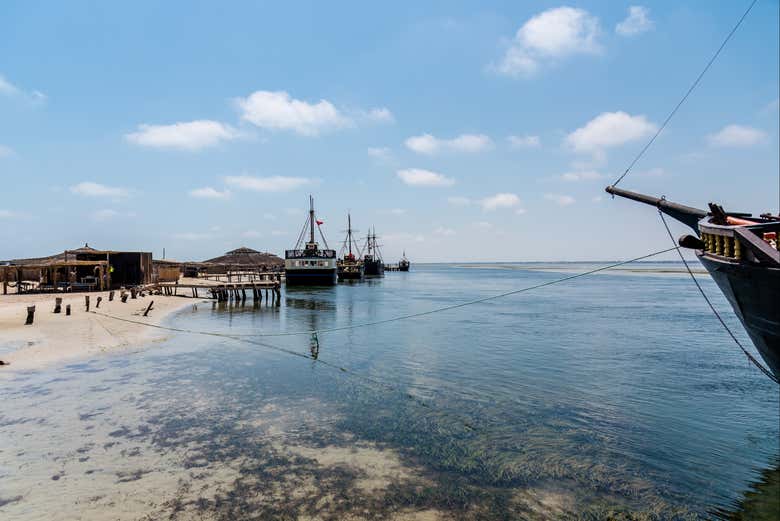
(616, 394)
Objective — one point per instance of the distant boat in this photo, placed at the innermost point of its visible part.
(403, 264)
(742, 255)
(350, 267)
(374, 265)
(310, 266)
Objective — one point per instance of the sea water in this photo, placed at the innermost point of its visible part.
(614, 395)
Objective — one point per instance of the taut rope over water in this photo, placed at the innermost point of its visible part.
(690, 90)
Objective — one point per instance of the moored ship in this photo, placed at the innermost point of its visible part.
(350, 266)
(310, 265)
(403, 264)
(742, 255)
(372, 261)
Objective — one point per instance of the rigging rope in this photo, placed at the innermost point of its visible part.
(717, 315)
(690, 90)
(401, 317)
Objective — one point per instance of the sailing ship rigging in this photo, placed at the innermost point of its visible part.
(350, 266)
(310, 265)
(374, 265)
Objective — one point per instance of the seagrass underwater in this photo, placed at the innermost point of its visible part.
(612, 396)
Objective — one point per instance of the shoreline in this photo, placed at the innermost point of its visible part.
(54, 338)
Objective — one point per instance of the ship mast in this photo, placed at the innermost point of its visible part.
(349, 233)
(311, 219)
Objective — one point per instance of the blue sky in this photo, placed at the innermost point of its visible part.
(462, 131)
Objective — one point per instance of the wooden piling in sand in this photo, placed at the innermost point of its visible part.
(67, 310)
(30, 315)
(57, 304)
(86, 301)
(99, 300)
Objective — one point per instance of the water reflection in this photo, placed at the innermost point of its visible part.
(483, 414)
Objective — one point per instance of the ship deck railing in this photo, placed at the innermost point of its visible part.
(755, 243)
(301, 254)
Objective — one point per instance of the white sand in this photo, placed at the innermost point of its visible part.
(57, 337)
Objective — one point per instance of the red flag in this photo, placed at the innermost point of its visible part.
(320, 222)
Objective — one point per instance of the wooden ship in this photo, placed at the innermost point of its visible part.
(350, 266)
(404, 264)
(307, 264)
(741, 254)
(372, 260)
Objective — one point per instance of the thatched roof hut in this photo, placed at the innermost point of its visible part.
(246, 258)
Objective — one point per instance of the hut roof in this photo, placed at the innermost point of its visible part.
(244, 256)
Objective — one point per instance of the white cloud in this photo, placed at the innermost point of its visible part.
(560, 200)
(586, 175)
(609, 129)
(7, 214)
(482, 225)
(9, 89)
(269, 217)
(459, 200)
(403, 237)
(208, 192)
(524, 141)
(420, 177)
(444, 231)
(278, 233)
(520, 211)
(379, 153)
(267, 184)
(104, 215)
(278, 111)
(773, 106)
(502, 200)
(6, 151)
(550, 35)
(650, 172)
(380, 115)
(394, 211)
(90, 189)
(637, 22)
(428, 144)
(190, 135)
(737, 136)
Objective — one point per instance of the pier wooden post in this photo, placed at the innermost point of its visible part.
(58, 304)
(30, 315)
(86, 301)
(67, 310)
(148, 308)
(111, 295)
(99, 300)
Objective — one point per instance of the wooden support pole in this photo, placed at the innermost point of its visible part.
(30, 315)
(123, 298)
(133, 292)
(86, 301)
(57, 304)
(99, 300)
(67, 310)
(148, 308)
(111, 295)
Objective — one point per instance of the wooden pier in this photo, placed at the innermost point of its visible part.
(228, 291)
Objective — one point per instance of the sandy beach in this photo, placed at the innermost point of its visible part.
(57, 337)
